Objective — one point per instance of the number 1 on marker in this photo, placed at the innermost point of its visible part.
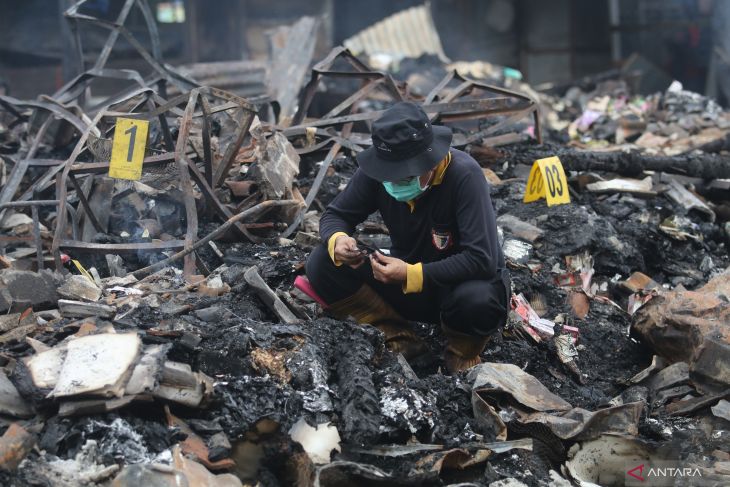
(132, 131)
(128, 146)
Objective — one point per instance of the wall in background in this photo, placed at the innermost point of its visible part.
(549, 41)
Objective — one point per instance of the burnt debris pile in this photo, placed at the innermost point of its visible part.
(152, 331)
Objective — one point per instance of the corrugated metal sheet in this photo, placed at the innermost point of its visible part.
(244, 78)
(409, 33)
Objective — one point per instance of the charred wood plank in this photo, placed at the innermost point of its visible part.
(361, 415)
(705, 166)
(80, 309)
(715, 146)
(269, 297)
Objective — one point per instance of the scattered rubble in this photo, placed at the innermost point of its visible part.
(174, 342)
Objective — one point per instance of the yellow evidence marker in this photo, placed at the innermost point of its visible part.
(547, 180)
(130, 140)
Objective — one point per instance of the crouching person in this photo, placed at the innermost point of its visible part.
(445, 265)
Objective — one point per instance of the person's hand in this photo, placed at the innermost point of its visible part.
(388, 270)
(346, 252)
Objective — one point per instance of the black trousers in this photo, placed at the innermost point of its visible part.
(474, 307)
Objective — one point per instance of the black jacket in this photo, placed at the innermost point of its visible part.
(452, 230)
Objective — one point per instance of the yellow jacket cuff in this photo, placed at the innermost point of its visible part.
(331, 246)
(414, 278)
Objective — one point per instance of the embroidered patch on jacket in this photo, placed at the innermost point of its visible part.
(441, 239)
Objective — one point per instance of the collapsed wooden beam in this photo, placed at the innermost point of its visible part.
(705, 166)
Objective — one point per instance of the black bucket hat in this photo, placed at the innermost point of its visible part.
(405, 144)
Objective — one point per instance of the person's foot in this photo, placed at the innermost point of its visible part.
(462, 350)
(400, 338)
(369, 308)
(455, 364)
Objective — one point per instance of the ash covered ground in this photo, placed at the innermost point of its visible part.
(269, 375)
